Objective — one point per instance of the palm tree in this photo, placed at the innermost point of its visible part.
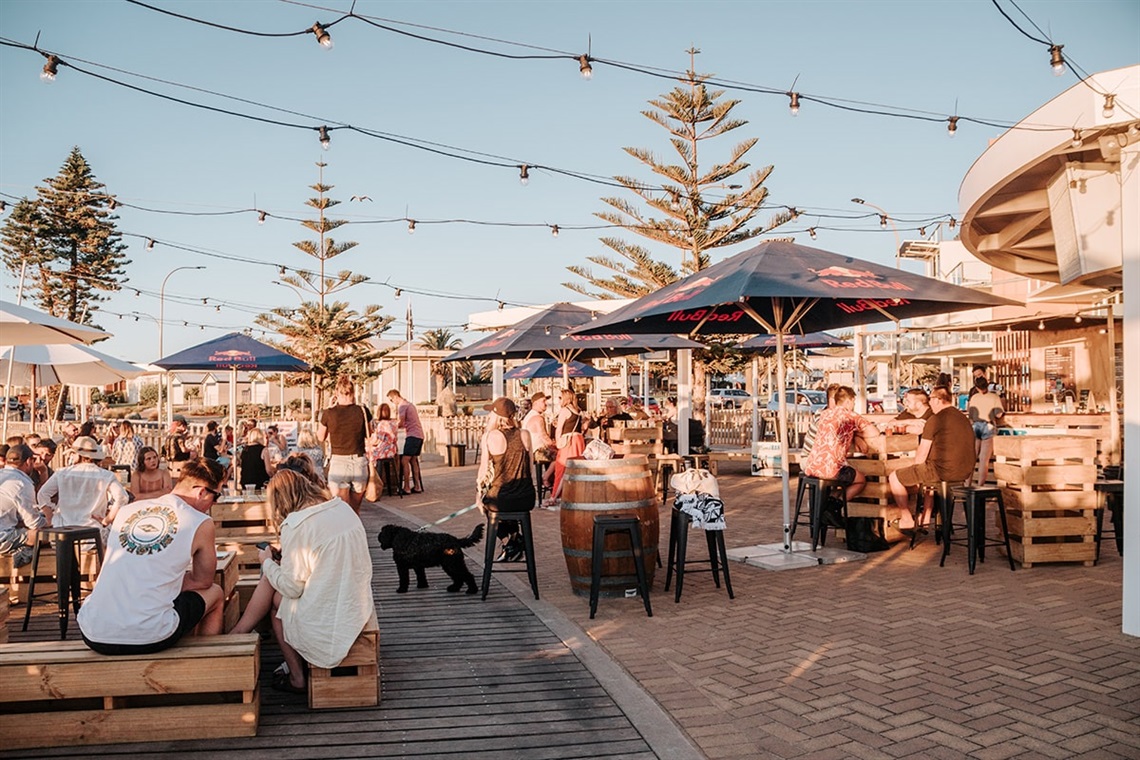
(440, 340)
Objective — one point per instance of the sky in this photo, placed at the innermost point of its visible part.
(182, 171)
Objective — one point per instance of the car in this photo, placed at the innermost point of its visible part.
(14, 404)
(800, 401)
(729, 398)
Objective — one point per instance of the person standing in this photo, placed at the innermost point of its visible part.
(984, 410)
(409, 419)
(19, 517)
(542, 445)
(946, 452)
(346, 425)
(570, 441)
(383, 447)
(175, 447)
(125, 449)
(146, 599)
(504, 481)
(254, 465)
(85, 494)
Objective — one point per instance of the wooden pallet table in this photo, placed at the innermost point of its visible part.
(1047, 485)
(885, 455)
(239, 524)
(226, 576)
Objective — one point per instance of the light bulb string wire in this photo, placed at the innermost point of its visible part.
(238, 30)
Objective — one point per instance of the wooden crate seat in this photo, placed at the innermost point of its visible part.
(356, 681)
(60, 693)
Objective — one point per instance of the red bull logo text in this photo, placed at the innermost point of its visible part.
(856, 278)
(611, 338)
(863, 304)
(696, 315)
(682, 292)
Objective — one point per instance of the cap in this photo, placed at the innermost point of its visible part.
(86, 446)
(17, 454)
(538, 395)
(502, 406)
(178, 418)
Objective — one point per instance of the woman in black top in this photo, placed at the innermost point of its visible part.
(254, 471)
(505, 473)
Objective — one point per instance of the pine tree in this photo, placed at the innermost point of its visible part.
(692, 209)
(67, 238)
(331, 337)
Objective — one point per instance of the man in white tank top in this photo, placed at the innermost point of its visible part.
(157, 581)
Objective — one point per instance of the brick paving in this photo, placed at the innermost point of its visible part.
(892, 657)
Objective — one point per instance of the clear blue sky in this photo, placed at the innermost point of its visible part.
(932, 57)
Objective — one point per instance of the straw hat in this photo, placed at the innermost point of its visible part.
(88, 447)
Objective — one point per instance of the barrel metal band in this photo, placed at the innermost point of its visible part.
(648, 501)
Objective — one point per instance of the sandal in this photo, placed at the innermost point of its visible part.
(281, 682)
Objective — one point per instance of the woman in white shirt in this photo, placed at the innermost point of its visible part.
(319, 588)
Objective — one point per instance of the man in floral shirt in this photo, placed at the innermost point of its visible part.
(838, 427)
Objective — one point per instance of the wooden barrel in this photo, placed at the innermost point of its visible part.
(608, 487)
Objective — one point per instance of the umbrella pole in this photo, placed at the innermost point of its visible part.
(233, 425)
(783, 423)
(8, 390)
(755, 401)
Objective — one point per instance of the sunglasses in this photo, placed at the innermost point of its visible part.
(216, 494)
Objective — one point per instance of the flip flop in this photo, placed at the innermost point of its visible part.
(282, 683)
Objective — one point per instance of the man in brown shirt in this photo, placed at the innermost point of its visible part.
(946, 452)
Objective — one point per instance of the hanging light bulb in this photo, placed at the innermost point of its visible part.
(201, 327)
(138, 293)
(953, 222)
(323, 136)
(1076, 143)
(501, 305)
(554, 230)
(1078, 319)
(136, 318)
(261, 219)
(324, 39)
(112, 204)
(1056, 60)
(1109, 105)
(3, 206)
(1009, 328)
(547, 329)
(218, 307)
(922, 232)
(1133, 130)
(794, 105)
(281, 271)
(585, 67)
(811, 231)
(795, 212)
(524, 175)
(150, 244)
(399, 292)
(882, 221)
(952, 126)
(1041, 325)
(51, 68)
(205, 301)
(411, 226)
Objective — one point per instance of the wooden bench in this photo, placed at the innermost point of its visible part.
(60, 693)
(632, 441)
(356, 681)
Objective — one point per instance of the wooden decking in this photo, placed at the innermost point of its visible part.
(460, 677)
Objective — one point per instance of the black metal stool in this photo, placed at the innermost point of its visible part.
(678, 544)
(974, 505)
(539, 483)
(935, 513)
(819, 489)
(604, 525)
(67, 540)
(1110, 496)
(390, 474)
(493, 520)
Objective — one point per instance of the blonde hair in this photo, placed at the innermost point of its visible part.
(255, 435)
(290, 491)
(306, 439)
(345, 387)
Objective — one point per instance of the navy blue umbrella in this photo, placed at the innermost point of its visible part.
(234, 351)
(551, 368)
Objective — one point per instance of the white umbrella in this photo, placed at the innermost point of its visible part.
(68, 364)
(21, 326)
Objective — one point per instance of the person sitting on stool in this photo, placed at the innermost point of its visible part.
(838, 427)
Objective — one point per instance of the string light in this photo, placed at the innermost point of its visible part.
(323, 136)
(1009, 328)
(553, 230)
(324, 39)
(51, 68)
(811, 231)
(150, 244)
(953, 222)
(281, 271)
(524, 175)
(1078, 319)
(1109, 105)
(1056, 60)
(218, 307)
(922, 232)
(399, 292)
(547, 329)
(501, 305)
(112, 204)
(883, 221)
(794, 105)
(411, 226)
(585, 67)
(4, 207)
(952, 125)
(1076, 138)
(261, 219)
(1041, 325)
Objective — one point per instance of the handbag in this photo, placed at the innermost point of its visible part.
(864, 535)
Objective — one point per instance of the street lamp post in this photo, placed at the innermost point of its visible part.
(896, 361)
(161, 319)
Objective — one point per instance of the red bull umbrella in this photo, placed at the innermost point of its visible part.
(781, 287)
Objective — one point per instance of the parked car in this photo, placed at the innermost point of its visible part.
(730, 398)
(800, 401)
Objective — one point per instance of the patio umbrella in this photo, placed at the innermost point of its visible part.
(233, 352)
(780, 287)
(766, 344)
(551, 368)
(68, 364)
(547, 334)
(21, 326)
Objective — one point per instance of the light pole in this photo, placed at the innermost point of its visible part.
(884, 218)
(161, 317)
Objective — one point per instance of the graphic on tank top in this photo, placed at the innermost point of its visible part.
(149, 530)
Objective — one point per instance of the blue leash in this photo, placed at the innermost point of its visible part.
(452, 516)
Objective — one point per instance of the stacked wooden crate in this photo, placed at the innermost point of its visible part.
(885, 455)
(239, 524)
(226, 576)
(356, 681)
(1047, 485)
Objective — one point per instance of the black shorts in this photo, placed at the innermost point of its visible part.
(413, 446)
(190, 607)
(846, 475)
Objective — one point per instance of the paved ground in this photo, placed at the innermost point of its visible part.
(887, 658)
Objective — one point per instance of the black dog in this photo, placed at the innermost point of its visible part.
(415, 550)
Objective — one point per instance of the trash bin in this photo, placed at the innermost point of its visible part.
(456, 455)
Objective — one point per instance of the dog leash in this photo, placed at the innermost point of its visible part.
(452, 516)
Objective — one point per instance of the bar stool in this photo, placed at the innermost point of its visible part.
(678, 545)
(390, 474)
(493, 520)
(1110, 494)
(974, 505)
(539, 483)
(67, 541)
(604, 525)
(935, 513)
(819, 489)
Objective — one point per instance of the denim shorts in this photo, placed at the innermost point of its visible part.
(983, 431)
(349, 472)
